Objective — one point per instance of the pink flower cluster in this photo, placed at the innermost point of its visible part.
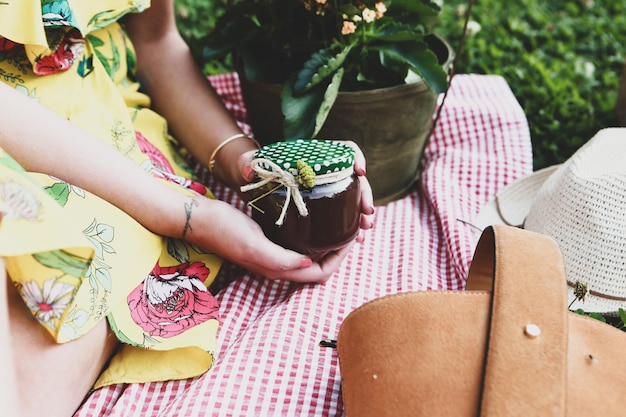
(367, 15)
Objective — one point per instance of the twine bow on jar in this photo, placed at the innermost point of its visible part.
(282, 177)
(305, 176)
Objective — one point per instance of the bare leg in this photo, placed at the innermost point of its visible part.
(53, 379)
(8, 393)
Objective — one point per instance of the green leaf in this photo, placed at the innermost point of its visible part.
(428, 7)
(116, 56)
(91, 227)
(321, 65)
(95, 41)
(59, 259)
(6, 160)
(397, 32)
(597, 316)
(330, 95)
(106, 232)
(97, 246)
(177, 249)
(105, 62)
(622, 316)
(306, 113)
(60, 191)
(422, 60)
(85, 66)
(300, 111)
(424, 12)
(103, 276)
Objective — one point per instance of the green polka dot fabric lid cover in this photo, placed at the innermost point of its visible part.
(323, 156)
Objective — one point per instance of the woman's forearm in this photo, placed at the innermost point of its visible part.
(180, 92)
(54, 146)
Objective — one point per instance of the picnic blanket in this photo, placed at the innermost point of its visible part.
(269, 358)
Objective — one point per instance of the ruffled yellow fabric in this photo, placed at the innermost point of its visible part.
(20, 22)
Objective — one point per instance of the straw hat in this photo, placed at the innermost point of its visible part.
(582, 205)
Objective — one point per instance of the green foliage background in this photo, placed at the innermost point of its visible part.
(562, 59)
(195, 19)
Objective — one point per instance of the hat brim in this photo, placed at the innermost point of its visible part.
(513, 203)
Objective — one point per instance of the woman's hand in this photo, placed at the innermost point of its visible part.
(250, 247)
(323, 264)
(223, 229)
(367, 198)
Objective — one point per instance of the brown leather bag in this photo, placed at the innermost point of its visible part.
(507, 346)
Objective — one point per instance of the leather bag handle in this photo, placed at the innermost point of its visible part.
(527, 343)
(473, 353)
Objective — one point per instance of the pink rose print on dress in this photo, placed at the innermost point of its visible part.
(162, 168)
(173, 299)
(156, 156)
(62, 59)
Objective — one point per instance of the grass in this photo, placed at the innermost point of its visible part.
(562, 60)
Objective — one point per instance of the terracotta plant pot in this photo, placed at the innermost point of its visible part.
(390, 125)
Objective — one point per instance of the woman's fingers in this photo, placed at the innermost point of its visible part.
(367, 204)
(359, 157)
(320, 271)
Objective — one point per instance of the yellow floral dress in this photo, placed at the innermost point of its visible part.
(75, 258)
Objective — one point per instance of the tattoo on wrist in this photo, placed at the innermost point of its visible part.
(188, 207)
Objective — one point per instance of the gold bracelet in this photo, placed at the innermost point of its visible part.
(226, 142)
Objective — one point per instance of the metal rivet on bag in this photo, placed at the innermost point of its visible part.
(532, 330)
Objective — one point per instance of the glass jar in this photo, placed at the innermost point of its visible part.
(306, 196)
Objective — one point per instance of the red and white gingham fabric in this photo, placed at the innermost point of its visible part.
(269, 360)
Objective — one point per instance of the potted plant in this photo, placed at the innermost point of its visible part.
(299, 59)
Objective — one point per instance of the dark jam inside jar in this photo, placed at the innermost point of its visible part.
(332, 220)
